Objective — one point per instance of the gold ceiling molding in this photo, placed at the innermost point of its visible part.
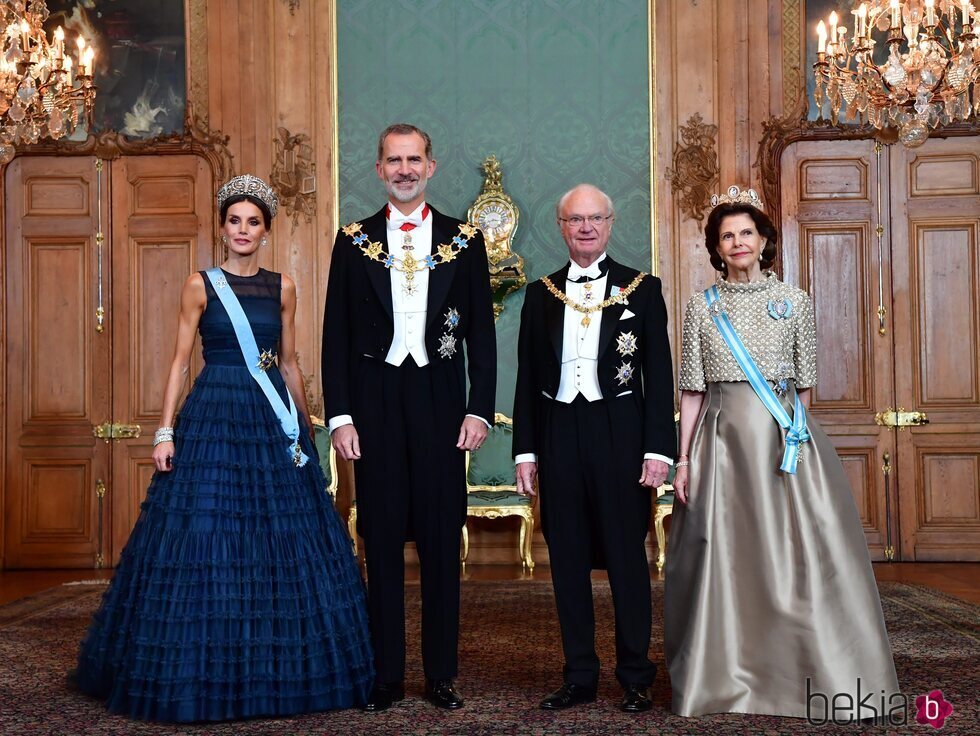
(694, 176)
(294, 175)
(794, 54)
(197, 59)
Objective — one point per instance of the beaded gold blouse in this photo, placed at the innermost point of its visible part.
(773, 319)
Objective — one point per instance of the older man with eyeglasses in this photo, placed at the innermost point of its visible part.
(593, 424)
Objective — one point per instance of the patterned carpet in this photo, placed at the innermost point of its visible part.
(510, 658)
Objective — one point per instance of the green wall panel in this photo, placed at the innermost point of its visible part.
(557, 89)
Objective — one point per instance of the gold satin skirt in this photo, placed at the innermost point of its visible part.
(770, 600)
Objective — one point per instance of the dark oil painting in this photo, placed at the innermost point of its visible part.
(140, 62)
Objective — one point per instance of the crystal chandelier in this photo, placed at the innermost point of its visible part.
(932, 66)
(43, 90)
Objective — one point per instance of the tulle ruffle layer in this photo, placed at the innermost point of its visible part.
(237, 594)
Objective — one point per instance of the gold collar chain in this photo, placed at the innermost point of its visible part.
(622, 296)
(409, 264)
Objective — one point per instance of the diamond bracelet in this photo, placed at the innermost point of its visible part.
(164, 434)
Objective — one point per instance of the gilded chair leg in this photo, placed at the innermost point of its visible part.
(466, 546)
(521, 543)
(528, 541)
(352, 527)
(658, 525)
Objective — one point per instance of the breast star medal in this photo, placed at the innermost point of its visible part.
(624, 373)
(625, 343)
(452, 319)
(447, 345)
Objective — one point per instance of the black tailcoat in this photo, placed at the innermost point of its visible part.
(410, 478)
(590, 457)
(540, 350)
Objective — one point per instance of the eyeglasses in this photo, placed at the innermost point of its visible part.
(578, 220)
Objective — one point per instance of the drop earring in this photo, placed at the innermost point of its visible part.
(224, 240)
(264, 241)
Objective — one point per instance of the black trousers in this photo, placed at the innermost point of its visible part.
(411, 485)
(593, 508)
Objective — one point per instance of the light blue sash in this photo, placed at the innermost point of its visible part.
(796, 431)
(288, 416)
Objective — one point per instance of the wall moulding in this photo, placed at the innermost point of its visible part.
(694, 176)
(294, 175)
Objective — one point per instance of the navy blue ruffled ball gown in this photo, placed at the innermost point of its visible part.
(237, 594)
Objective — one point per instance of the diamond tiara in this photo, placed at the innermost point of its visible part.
(252, 186)
(737, 196)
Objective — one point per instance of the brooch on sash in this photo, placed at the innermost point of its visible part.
(221, 282)
(266, 359)
(624, 373)
(447, 341)
(409, 264)
(780, 308)
(781, 384)
(625, 343)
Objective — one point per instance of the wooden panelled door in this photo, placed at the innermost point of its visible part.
(886, 241)
(71, 499)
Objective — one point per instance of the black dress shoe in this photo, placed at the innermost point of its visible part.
(568, 695)
(636, 699)
(383, 696)
(443, 694)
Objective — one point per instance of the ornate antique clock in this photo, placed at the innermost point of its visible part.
(495, 213)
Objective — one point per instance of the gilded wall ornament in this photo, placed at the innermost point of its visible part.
(695, 173)
(495, 213)
(294, 175)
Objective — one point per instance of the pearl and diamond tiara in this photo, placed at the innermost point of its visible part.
(737, 196)
(251, 186)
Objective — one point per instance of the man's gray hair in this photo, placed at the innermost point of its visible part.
(610, 209)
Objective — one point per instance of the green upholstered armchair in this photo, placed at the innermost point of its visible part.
(491, 485)
(664, 507)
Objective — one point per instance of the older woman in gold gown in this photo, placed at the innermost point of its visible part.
(770, 601)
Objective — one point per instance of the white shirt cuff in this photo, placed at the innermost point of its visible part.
(525, 457)
(339, 421)
(661, 458)
(481, 419)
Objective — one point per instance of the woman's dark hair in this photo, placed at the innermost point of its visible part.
(712, 232)
(263, 208)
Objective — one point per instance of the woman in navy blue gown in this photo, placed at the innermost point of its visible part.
(237, 594)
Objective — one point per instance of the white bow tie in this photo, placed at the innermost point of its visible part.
(397, 219)
(575, 271)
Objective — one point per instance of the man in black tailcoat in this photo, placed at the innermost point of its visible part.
(593, 423)
(408, 288)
